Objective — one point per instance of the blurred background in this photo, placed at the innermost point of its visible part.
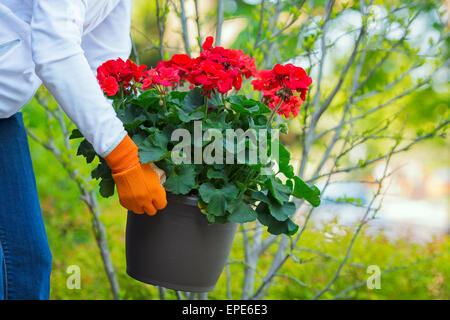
(371, 136)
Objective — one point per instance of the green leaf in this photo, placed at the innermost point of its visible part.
(281, 212)
(244, 106)
(176, 97)
(181, 180)
(283, 162)
(278, 190)
(207, 190)
(76, 134)
(215, 99)
(303, 191)
(288, 227)
(153, 148)
(193, 100)
(245, 110)
(192, 116)
(260, 197)
(275, 227)
(241, 212)
(86, 150)
(216, 122)
(138, 138)
(214, 174)
(263, 109)
(217, 198)
(103, 172)
(217, 205)
(107, 187)
(148, 98)
(131, 116)
(236, 99)
(216, 219)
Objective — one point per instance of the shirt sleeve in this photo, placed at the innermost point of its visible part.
(56, 34)
(111, 38)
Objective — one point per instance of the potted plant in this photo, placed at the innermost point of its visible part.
(189, 117)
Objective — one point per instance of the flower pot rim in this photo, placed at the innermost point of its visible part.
(184, 199)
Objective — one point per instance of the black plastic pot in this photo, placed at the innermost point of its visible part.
(177, 248)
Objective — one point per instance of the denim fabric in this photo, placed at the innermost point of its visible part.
(24, 252)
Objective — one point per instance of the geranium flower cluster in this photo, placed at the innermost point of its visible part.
(280, 84)
(284, 87)
(114, 74)
(220, 68)
(216, 68)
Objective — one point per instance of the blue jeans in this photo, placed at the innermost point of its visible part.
(25, 258)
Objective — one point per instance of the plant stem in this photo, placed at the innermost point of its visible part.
(269, 122)
(206, 107)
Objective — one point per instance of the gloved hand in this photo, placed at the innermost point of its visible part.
(138, 185)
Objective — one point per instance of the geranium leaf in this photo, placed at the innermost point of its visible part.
(276, 227)
(131, 116)
(86, 150)
(263, 109)
(241, 212)
(278, 190)
(153, 148)
(229, 191)
(244, 110)
(259, 196)
(181, 180)
(192, 116)
(148, 98)
(107, 187)
(303, 191)
(216, 122)
(177, 96)
(101, 171)
(76, 134)
(217, 205)
(193, 100)
(217, 197)
(215, 174)
(282, 212)
(216, 99)
(283, 162)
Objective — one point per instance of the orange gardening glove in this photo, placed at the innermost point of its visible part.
(138, 185)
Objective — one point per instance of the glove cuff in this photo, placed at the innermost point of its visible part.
(124, 156)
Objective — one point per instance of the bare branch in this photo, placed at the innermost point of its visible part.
(184, 28)
(260, 25)
(220, 5)
(160, 18)
(88, 196)
(364, 220)
(406, 148)
(197, 22)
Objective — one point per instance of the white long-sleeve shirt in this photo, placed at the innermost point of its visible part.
(61, 43)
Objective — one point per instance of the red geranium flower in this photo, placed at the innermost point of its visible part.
(122, 72)
(164, 76)
(110, 86)
(281, 83)
(219, 68)
(208, 43)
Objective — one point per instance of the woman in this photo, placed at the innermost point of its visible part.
(59, 43)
